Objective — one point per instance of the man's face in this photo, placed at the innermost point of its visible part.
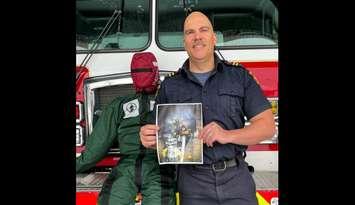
(199, 38)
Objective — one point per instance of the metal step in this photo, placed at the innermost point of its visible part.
(266, 180)
(91, 181)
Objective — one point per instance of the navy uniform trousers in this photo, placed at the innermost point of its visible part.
(199, 185)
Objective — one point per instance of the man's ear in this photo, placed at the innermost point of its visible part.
(214, 38)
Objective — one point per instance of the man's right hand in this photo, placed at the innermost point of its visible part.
(147, 135)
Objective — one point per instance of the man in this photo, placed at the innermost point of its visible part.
(138, 170)
(227, 93)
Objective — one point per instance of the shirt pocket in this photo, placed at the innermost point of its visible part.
(181, 97)
(182, 94)
(230, 100)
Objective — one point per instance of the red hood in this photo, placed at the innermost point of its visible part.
(267, 75)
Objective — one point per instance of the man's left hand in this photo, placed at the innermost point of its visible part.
(213, 132)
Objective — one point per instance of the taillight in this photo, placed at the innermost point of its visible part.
(79, 112)
(79, 135)
(79, 128)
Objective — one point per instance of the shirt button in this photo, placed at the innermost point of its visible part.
(206, 107)
(204, 91)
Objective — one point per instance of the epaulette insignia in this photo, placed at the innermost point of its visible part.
(234, 62)
(171, 74)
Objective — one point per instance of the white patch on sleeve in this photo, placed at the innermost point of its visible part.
(152, 103)
(131, 109)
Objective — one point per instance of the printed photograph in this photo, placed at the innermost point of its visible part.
(177, 141)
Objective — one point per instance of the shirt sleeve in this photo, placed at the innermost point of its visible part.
(100, 140)
(255, 101)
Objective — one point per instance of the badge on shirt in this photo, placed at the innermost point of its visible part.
(152, 103)
(131, 109)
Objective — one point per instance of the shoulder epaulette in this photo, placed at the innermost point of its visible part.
(173, 73)
(234, 63)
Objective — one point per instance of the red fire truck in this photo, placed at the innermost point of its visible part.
(109, 32)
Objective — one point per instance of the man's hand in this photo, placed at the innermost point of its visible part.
(213, 132)
(261, 127)
(147, 135)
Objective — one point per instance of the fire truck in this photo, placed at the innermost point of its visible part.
(109, 32)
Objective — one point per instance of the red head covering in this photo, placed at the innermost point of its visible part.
(145, 72)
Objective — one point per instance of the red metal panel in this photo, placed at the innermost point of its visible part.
(269, 194)
(90, 198)
(267, 75)
(263, 147)
(108, 161)
(87, 198)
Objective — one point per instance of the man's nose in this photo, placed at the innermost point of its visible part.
(197, 36)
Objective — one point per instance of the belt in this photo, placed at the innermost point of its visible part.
(219, 166)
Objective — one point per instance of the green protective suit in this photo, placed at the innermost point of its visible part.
(138, 170)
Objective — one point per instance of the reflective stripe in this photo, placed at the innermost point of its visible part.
(177, 198)
(261, 200)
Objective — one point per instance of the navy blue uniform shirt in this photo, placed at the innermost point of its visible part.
(229, 94)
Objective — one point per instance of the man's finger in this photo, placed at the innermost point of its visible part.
(149, 132)
(149, 129)
(205, 132)
(207, 128)
(151, 126)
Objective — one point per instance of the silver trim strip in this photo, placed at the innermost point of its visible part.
(90, 95)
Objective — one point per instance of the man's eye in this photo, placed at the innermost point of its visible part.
(188, 32)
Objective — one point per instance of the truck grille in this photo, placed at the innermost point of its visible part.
(105, 95)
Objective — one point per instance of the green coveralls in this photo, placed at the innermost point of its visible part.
(138, 166)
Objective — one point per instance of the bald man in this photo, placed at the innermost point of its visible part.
(227, 93)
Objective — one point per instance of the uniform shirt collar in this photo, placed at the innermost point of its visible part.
(185, 69)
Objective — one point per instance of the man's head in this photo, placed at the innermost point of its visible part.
(199, 38)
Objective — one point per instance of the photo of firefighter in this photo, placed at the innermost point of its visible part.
(177, 138)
